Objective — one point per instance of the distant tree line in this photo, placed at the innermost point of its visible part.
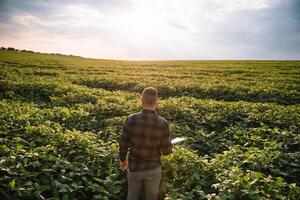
(14, 49)
(29, 51)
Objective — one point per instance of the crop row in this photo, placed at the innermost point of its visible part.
(264, 81)
(41, 156)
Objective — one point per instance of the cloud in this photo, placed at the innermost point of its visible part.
(228, 7)
(26, 20)
(153, 29)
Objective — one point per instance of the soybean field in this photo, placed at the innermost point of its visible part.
(61, 116)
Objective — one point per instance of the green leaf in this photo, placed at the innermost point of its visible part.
(65, 197)
(279, 181)
(98, 196)
(12, 184)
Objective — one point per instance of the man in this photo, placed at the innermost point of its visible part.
(147, 136)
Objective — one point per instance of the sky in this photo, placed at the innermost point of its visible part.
(154, 29)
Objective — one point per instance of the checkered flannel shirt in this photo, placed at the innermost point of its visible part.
(147, 136)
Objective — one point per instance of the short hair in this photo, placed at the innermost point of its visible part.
(149, 95)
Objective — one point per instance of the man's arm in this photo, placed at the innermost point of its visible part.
(165, 144)
(124, 141)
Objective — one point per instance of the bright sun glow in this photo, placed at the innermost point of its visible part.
(154, 29)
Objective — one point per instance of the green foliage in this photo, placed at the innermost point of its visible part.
(186, 175)
(60, 118)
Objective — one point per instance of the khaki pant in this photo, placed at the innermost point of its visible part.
(151, 179)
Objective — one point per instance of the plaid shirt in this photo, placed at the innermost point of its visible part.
(147, 136)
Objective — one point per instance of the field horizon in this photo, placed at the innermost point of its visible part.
(138, 60)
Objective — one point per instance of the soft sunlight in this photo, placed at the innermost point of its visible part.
(152, 29)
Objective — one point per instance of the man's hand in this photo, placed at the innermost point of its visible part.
(124, 165)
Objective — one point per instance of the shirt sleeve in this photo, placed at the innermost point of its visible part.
(124, 141)
(165, 144)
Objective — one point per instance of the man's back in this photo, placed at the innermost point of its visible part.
(147, 135)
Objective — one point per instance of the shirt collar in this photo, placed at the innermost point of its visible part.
(149, 111)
